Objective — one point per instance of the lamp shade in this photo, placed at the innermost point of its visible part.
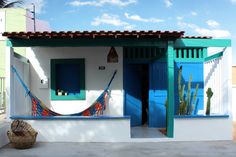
(112, 56)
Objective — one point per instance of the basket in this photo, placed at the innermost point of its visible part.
(21, 135)
(22, 142)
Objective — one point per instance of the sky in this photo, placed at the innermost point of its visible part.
(214, 18)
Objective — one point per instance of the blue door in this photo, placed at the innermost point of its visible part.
(157, 94)
(133, 93)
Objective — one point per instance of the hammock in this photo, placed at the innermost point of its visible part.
(40, 109)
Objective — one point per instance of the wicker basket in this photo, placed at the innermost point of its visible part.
(22, 142)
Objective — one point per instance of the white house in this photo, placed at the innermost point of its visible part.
(64, 73)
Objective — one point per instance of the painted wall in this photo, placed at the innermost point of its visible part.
(21, 102)
(12, 20)
(82, 130)
(157, 94)
(218, 77)
(16, 20)
(4, 127)
(40, 24)
(196, 70)
(2, 58)
(234, 75)
(234, 102)
(96, 80)
(199, 129)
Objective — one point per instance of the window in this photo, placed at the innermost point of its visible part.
(67, 79)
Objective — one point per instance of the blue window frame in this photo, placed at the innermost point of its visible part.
(68, 79)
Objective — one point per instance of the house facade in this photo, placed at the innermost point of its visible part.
(164, 81)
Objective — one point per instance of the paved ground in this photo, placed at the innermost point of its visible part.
(162, 149)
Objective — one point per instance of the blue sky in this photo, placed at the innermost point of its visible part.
(195, 17)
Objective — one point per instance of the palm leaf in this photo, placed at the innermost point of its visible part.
(11, 4)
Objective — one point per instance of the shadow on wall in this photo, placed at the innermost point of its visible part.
(213, 68)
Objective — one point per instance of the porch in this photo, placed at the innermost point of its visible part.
(168, 47)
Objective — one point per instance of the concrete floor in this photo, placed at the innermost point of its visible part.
(162, 149)
(146, 132)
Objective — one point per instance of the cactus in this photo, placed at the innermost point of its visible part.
(188, 93)
(185, 108)
(209, 95)
(194, 98)
(179, 84)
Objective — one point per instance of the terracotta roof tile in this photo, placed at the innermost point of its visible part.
(94, 34)
(197, 37)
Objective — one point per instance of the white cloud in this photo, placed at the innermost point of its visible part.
(179, 18)
(168, 3)
(111, 20)
(212, 23)
(79, 3)
(193, 13)
(233, 1)
(39, 5)
(138, 18)
(215, 33)
(120, 3)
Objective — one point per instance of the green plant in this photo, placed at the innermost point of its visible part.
(209, 95)
(185, 106)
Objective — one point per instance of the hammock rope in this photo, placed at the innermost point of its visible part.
(40, 109)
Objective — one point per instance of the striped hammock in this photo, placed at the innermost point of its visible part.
(40, 109)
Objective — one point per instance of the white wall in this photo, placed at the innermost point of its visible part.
(4, 127)
(82, 130)
(218, 77)
(20, 102)
(198, 129)
(96, 80)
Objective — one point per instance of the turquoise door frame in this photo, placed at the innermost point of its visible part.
(170, 89)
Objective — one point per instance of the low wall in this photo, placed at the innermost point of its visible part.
(200, 129)
(4, 126)
(81, 129)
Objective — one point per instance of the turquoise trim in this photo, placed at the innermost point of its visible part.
(170, 91)
(156, 42)
(181, 43)
(82, 94)
(201, 116)
(215, 56)
(204, 52)
(9, 43)
(188, 55)
(189, 59)
(69, 117)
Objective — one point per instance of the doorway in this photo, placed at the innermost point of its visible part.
(136, 86)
